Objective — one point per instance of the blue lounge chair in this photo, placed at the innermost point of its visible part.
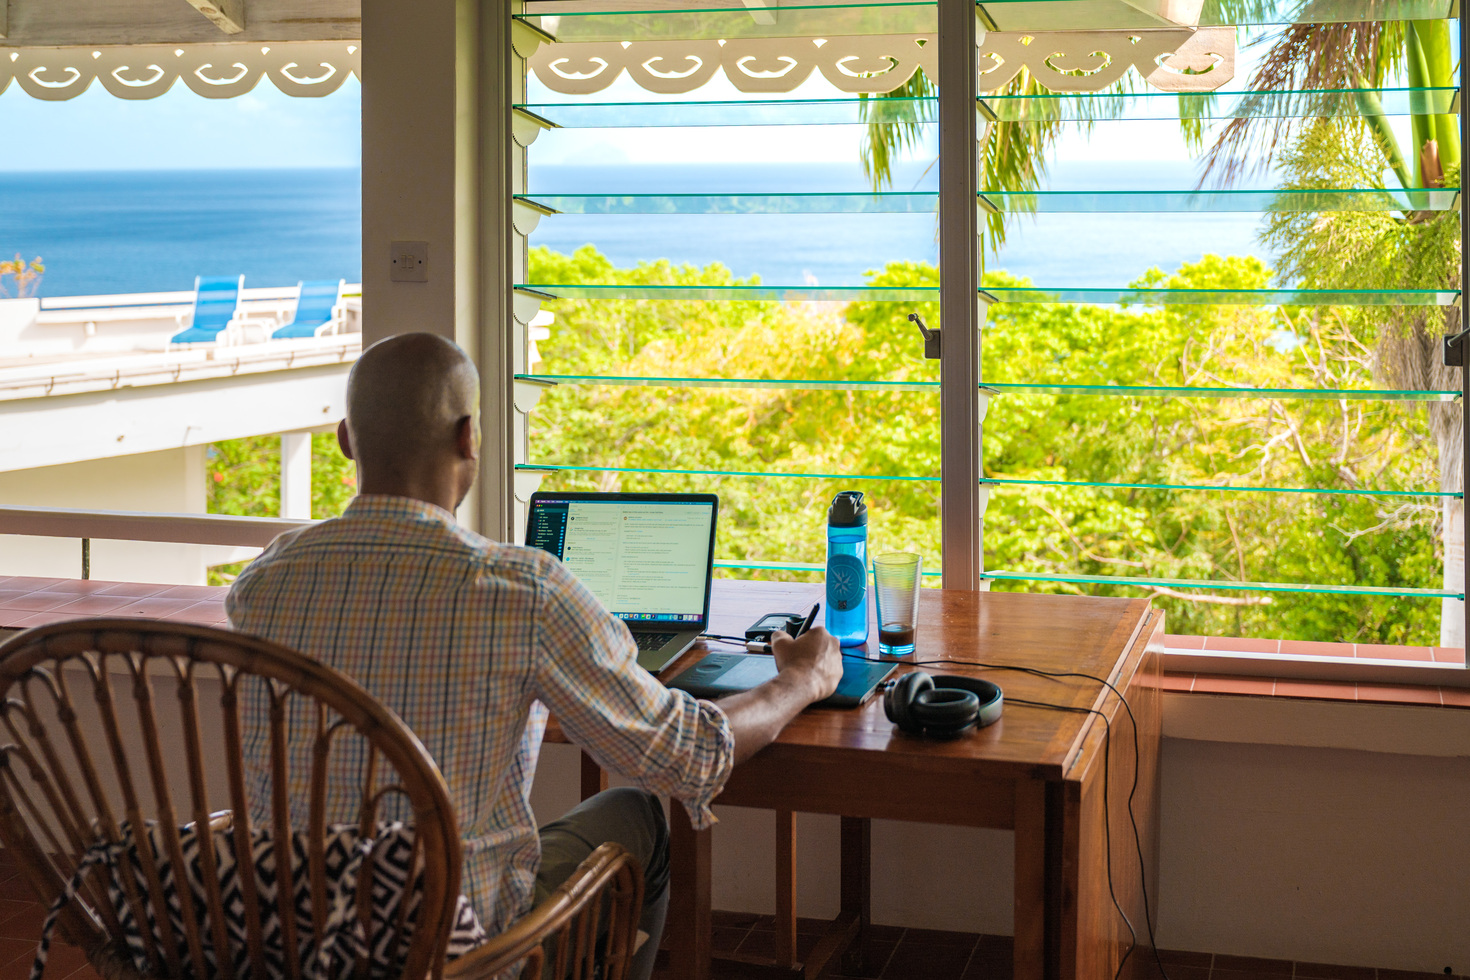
(316, 310)
(216, 306)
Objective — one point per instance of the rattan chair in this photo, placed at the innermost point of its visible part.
(115, 724)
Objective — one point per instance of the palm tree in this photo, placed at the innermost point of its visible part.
(1374, 250)
(1013, 154)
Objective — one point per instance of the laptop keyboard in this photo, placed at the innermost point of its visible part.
(652, 641)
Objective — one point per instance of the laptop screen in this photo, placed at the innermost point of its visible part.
(646, 557)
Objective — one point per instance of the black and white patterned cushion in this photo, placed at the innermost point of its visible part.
(343, 940)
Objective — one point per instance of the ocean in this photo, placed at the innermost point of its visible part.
(145, 231)
(142, 231)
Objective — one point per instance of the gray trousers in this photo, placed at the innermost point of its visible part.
(626, 816)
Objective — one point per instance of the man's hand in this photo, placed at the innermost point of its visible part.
(808, 669)
(814, 657)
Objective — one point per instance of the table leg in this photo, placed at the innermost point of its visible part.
(594, 779)
(690, 895)
(785, 888)
(857, 887)
(1031, 874)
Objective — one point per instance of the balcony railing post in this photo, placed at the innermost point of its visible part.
(86, 558)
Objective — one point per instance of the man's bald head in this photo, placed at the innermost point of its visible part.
(407, 399)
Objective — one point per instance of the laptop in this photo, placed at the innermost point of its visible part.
(648, 557)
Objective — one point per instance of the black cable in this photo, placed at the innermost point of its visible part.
(728, 639)
(1107, 750)
(1107, 819)
(1132, 792)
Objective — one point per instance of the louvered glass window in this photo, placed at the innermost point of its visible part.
(1234, 441)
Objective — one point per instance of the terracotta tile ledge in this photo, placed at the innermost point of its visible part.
(1202, 683)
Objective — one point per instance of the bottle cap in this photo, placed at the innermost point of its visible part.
(848, 510)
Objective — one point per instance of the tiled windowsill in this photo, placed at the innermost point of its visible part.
(1264, 686)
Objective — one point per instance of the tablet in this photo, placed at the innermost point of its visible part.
(719, 674)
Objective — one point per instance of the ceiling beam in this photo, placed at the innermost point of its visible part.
(228, 15)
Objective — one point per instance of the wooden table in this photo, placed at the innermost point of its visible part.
(1037, 772)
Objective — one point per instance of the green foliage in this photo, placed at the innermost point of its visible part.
(243, 478)
(886, 442)
(1376, 250)
(1366, 249)
(868, 440)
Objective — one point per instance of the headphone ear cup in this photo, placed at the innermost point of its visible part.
(946, 712)
(899, 699)
(989, 699)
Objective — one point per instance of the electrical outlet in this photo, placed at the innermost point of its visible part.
(410, 261)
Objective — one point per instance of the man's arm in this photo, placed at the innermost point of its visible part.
(809, 669)
(665, 741)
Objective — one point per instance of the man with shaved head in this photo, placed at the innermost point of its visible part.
(471, 641)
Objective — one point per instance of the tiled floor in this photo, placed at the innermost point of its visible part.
(929, 954)
(20, 927)
(892, 953)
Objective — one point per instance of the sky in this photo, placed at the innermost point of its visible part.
(181, 130)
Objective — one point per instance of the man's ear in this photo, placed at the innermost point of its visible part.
(343, 439)
(467, 438)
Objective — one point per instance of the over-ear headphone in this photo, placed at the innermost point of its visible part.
(942, 705)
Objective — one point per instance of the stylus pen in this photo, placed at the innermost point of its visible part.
(811, 618)
(756, 646)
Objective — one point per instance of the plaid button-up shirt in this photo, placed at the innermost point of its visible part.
(470, 641)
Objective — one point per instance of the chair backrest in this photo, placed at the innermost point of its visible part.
(112, 725)
(316, 306)
(216, 301)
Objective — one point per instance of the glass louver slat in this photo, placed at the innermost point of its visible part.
(1223, 585)
(989, 480)
(1092, 106)
(1023, 202)
(1170, 391)
(1004, 294)
(652, 21)
(625, 20)
(1219, 105)
(1101, 15)
(1138, 581)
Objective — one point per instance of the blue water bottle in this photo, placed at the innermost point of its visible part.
(847, 569)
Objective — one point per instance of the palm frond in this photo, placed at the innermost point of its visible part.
(895, 123)
(1304, 58)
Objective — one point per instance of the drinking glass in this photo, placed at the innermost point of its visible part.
(896, 588)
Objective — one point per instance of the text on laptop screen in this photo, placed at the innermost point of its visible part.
(645, 560)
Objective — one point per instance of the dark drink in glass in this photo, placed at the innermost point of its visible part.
(896, 635)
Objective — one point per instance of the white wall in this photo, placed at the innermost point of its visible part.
(1313, 853)
(171, 481)
(408, 162)
(1321, 855)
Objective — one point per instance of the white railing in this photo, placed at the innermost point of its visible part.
(206, 529)
(86, 326)
(184, 297)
